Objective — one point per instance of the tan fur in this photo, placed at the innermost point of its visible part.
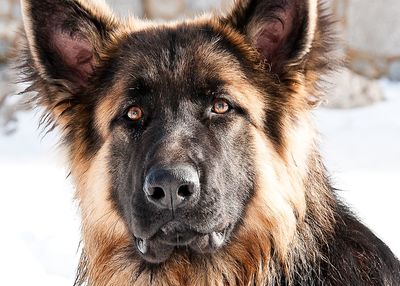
(105, 237)
(239, 88)
(287, 191)
(279, 206)
(107, 109)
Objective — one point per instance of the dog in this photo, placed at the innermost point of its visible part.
(192, 148)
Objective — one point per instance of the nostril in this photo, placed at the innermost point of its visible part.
(172, 188)
(158, 193)
(184, 191)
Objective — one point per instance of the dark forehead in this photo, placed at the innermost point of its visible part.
(168, 64)
(191, 53)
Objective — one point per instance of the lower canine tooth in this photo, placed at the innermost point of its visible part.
(218, 238)
(141, 245)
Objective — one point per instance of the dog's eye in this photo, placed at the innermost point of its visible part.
(135, 113)
(220, 106)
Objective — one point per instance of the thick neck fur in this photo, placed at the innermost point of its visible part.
(250, 258)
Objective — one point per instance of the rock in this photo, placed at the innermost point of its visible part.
(127, 7)
(172, 9)
(368, 66)
(196, 7)
(370, 33)
(394, 71)
(10, 102)
(164, 9)
(348, 90)
(9, 24)
(372, 26)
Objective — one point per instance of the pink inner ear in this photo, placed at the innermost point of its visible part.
(273, 35)
(77, 55)
(270, 39)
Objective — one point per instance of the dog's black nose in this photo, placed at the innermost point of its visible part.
(172, 188)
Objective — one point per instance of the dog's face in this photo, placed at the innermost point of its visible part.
(171, 119)
(181, 162)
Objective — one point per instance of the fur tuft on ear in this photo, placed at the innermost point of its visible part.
(64, 37)
(281, 30)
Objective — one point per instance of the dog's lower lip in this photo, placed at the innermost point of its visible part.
(178, 241)
(213, 239)
(160, 246)
(202, 242)
(177, 238)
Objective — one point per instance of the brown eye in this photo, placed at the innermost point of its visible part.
(220, 106)
(135, 113)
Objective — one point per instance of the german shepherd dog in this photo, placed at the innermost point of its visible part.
(192, 149)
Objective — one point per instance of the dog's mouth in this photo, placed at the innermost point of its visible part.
(172, 236)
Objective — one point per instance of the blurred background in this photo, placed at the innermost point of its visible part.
(359, 123)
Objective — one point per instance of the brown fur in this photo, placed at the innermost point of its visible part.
(292, 199)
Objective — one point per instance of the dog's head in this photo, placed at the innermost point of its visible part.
(182, 137)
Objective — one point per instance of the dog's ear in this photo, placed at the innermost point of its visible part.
(64, 37)
(281, 30)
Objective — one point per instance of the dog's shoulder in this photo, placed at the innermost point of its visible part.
(356, 256)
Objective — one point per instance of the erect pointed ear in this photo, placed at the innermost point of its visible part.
(281, 30)
(64, 37)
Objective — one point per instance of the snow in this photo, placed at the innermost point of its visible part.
(40, 221)
(40, 225)
(362, 151)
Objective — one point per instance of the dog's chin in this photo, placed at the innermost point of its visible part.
(167, 240)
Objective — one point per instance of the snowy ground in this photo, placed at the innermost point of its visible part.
(40, 225)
